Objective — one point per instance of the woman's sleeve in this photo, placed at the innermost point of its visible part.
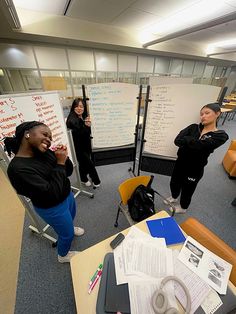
(184, 136)
(78, 126)
(69, 167)
(30, 183)
(208, 141)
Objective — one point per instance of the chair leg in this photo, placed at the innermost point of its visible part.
(117, 216)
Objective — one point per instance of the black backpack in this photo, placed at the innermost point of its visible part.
(141, 203)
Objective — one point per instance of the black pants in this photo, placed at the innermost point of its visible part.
(184, 180)
(86, 167)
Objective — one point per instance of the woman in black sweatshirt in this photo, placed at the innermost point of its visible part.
(196, 142)
(80, 125)
(42, 175)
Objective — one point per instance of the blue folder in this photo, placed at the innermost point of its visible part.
(166, 228)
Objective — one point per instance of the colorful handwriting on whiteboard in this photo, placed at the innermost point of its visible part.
(8, 102)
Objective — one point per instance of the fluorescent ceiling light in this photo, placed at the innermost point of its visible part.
(195, 14)
(56, 7)
(225, 44)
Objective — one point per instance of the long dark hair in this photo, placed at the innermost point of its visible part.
(12, 144)
(75, 104)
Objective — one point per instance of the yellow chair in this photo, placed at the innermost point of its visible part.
(211, 241)
(126, 189)
(229, 160)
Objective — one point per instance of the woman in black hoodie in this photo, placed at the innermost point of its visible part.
(80, 125)
(196, 142)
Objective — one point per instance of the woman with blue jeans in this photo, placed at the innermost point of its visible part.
(42, 175)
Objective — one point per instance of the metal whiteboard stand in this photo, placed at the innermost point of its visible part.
(37, 227)
(77, 188)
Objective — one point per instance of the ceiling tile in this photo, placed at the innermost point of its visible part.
(162, 8)
(52, 7)
(135, 19)
(99, 11)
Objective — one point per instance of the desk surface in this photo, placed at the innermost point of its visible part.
(84, 264)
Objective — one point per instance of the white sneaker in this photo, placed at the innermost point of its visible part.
(78, 231)
(178, 209)
(88, 183)
(96, 185)
(67, 258)
(170, 199)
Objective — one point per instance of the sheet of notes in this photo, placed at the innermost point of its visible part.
(173, 108)
(112, 108)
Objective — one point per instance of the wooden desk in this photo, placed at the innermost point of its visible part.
(84, 264)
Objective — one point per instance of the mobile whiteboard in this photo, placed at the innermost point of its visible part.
(112, 108)
(173, 108)
(40, 106)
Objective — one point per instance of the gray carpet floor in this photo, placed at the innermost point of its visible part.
(45, 286)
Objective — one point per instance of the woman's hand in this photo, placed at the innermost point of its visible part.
(61, 154)
(87, 121)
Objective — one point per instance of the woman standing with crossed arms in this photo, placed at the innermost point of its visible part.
(196, 142)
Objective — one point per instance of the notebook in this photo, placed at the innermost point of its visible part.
(166, 228)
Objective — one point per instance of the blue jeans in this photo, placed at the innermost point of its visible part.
(60, 218)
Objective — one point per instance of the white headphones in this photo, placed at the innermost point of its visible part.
(160, 299)
(27, 135)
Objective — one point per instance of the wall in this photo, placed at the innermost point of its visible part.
(26, 67)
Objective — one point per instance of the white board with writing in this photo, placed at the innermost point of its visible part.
(173, 108)
(163, 80)
(112, 108)
(44, 107)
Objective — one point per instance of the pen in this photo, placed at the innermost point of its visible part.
(95, 282)
(95, 274)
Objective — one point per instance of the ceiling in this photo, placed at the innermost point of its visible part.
(185, 27)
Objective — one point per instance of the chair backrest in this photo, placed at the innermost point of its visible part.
(232, 145)
(127, 187)
(212, 242)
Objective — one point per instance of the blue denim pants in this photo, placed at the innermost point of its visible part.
(60, 218)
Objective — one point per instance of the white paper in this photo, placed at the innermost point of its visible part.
(212, 303)
(121, 260)
(141, 293)
(210, 267)
(198, 288)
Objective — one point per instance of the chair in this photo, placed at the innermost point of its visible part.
(126, 189)
(229, 160)
(211, 241)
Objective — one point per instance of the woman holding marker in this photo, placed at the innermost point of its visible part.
(42, 175)
(80, 124)
(196, 142)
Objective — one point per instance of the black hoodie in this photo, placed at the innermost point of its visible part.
(195, 149)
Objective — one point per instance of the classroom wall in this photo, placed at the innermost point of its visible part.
(26, 67)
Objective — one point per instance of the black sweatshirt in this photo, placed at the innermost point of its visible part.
(41, 179)
(81, 135)
(195, 150)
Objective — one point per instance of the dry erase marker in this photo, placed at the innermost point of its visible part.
(99, 274)
(94, 275)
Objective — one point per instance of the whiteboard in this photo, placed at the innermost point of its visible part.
(173, 108)
(163, 80)
(44, 107)
(112, 109)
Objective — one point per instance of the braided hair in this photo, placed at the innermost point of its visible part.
(12, 144)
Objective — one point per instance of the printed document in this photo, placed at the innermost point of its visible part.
(141, 293)
(198, 288)
(210, 267)
(123, 255)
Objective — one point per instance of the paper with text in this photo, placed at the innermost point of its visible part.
(210, 267)
(198, 288)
